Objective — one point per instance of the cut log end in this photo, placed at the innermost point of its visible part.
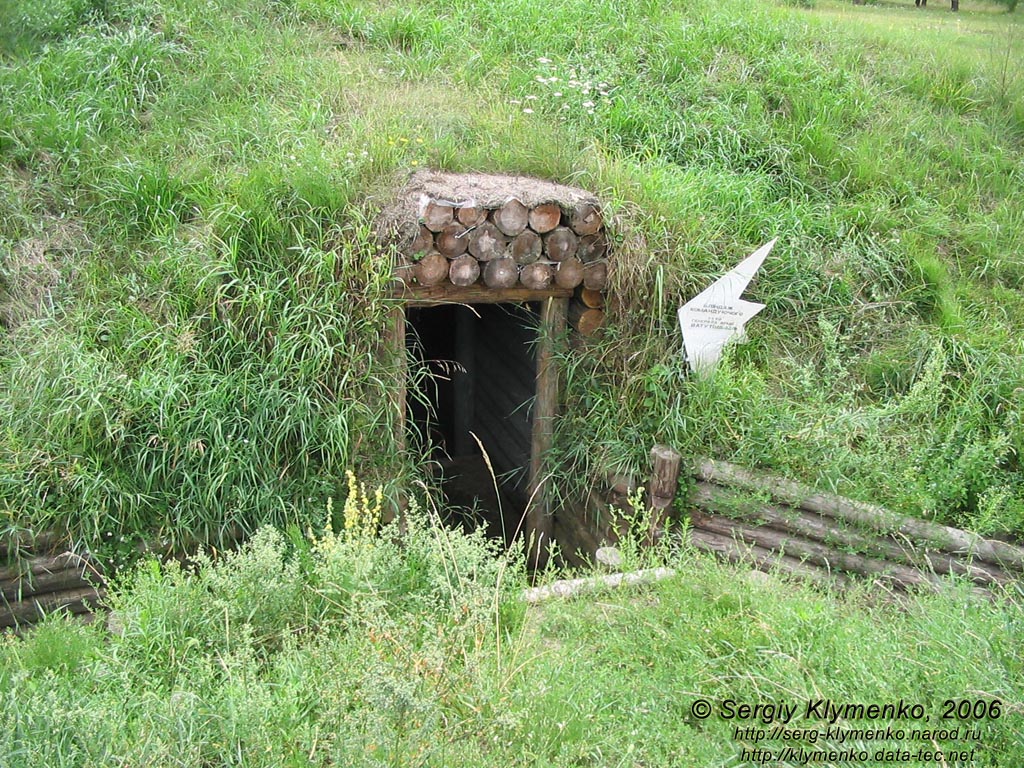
(422, 242)
(471, 215)
(545, 217)
(595, 275)
(437, 216)
(501, 273)
(593, 299)
(536, 276)
(560, 244)
(432, 269)
(487, 242)
(452, 240)
(527, 247)
(587, 321)
(593, 247)
(569, 273)
(511, 218)
(464, 271)
(586, 219)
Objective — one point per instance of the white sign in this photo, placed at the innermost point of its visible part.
(717, 314)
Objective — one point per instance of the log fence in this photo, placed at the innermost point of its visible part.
(46, 583)
(741, 516)
(775, 523)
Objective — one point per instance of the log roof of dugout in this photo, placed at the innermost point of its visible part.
(399, 220)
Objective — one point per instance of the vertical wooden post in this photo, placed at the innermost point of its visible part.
(464, 382)
(401, 362)
(545, 410)
(662, 487)
(400, 359)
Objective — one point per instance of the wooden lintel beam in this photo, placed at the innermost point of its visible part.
(425, 296)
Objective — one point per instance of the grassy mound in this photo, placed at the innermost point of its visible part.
(192, 300)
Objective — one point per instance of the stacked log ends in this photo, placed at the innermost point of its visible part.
(826, 534)
(587, 321)
(586, 312)
(544, 237)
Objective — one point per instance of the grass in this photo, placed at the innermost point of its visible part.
(193, 301)
(189, 194)
(345, 649)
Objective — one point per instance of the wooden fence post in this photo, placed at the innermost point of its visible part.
(662, 488)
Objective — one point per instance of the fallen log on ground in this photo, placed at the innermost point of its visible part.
(571, 587)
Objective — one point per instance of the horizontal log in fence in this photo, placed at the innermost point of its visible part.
(39, 575)
(45, 583)
(774, 523)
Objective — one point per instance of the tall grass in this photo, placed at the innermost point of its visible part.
(229, 397)
(206, 356)
(348, 649)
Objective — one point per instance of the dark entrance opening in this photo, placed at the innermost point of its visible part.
(473, 406)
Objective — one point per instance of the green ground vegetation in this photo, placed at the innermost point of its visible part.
(344, 649)
(192, 301)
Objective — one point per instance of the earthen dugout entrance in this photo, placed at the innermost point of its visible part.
(473, 404)
(490, 271)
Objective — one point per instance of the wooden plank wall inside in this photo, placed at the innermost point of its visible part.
(504, 388)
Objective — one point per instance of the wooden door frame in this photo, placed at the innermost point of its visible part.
(553, 321)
